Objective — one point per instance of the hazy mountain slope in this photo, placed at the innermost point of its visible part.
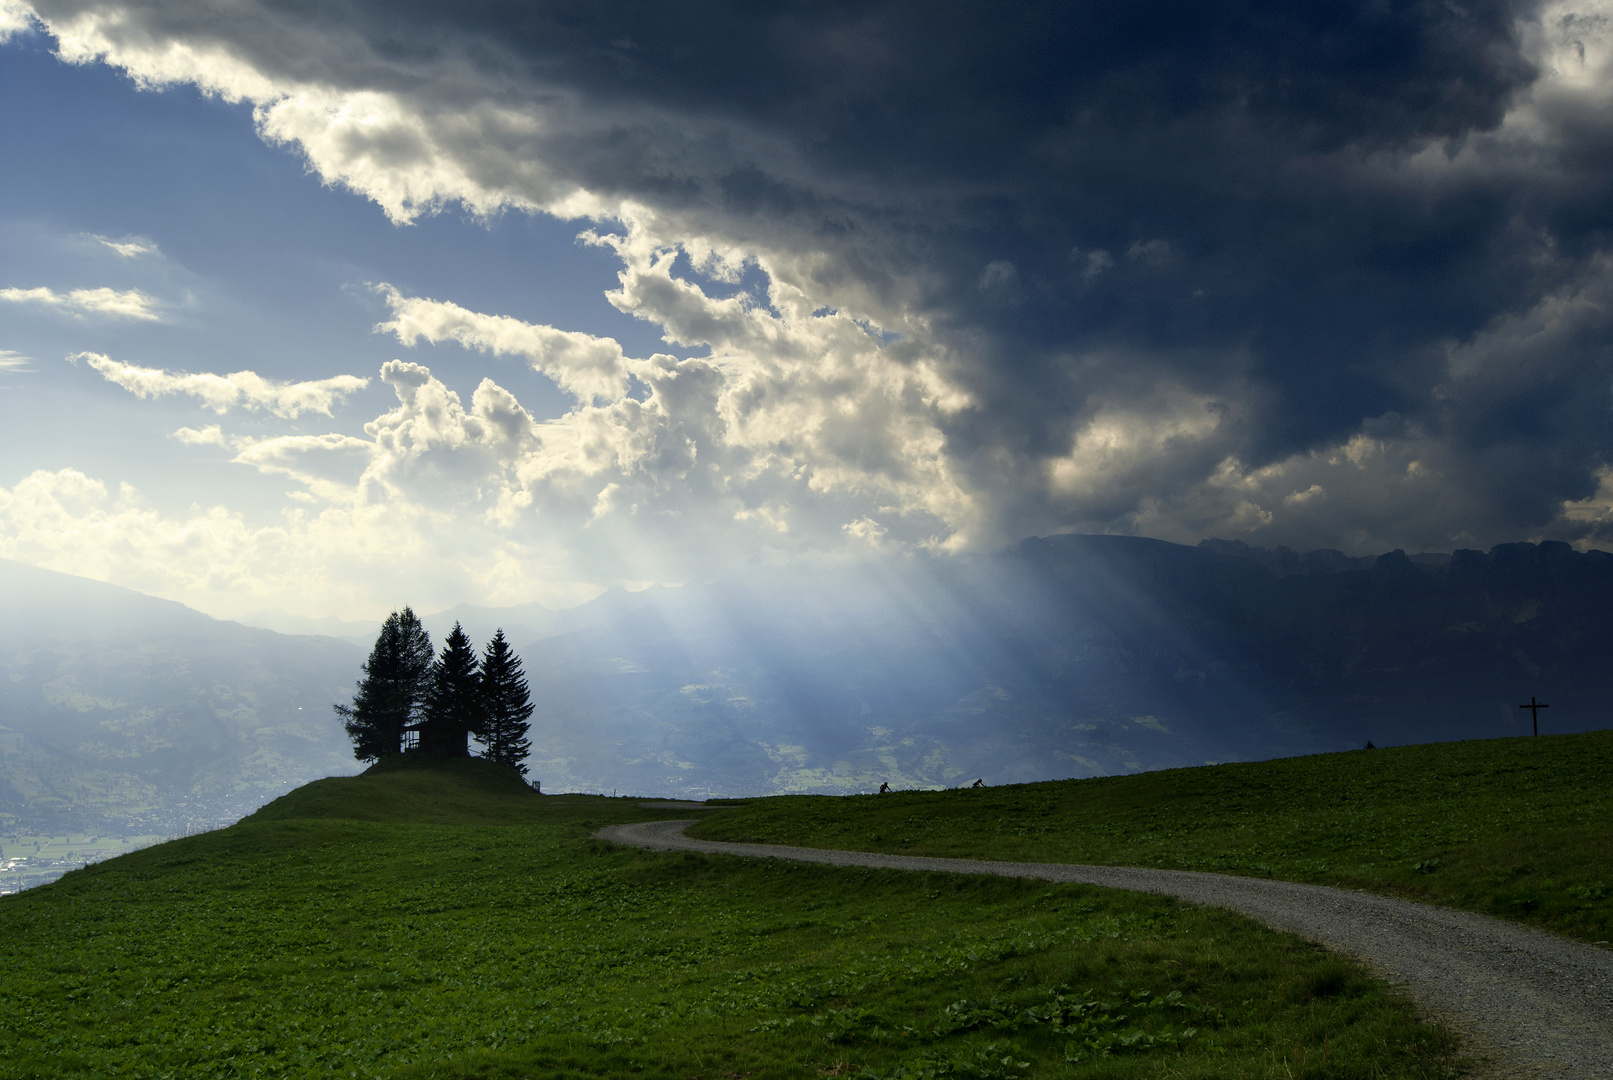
(920, 673)
(1065, 656)
(121, 713)
(355, 631)
(520, 622)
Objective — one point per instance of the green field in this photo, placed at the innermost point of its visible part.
(1519, 828)
(450, 923)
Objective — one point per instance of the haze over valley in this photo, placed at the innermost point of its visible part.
(127, 719)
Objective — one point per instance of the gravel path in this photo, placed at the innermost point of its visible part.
(1539, 1006)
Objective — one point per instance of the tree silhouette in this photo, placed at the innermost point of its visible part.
(508, 705)
(454, 710)
(391, 692)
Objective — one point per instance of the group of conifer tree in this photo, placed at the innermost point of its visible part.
(445, 700)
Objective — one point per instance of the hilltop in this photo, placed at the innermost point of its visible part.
(418, 789)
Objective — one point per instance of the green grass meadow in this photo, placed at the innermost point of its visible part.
(418, 923)
(1518, 828)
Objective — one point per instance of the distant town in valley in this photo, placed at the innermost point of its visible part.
(29, 859)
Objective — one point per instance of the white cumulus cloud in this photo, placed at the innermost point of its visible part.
(124, 304)
(15, 17)
(239, 389)
(211, 435)
(213, 559)
(798, 417)
(130, 247)
(585, 366)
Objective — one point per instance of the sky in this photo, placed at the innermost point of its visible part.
(329, 308)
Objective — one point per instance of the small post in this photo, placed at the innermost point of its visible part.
(1534, 708)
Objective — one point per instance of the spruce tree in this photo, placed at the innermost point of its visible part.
(508, 705)
(391, 693)
(453, 706)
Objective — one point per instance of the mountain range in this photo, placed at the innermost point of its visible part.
(1066, 656)
(128, 715)
(1063, 656)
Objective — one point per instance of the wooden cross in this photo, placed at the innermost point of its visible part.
(1534, 708)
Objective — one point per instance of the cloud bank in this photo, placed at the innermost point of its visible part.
(1330, 275)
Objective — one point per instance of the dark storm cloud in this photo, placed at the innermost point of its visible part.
(1310, 219)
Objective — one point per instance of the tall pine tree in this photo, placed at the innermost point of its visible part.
(393, 688)
(508, 705)
(453, 705)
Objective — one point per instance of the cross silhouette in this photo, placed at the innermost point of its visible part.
(1534, 708)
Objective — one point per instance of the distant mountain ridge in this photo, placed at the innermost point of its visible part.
(520, 622)
(1284, 561)
(125, 714)
(1062, 656)
(1067, 656)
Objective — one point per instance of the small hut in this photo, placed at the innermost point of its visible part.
(437, 737)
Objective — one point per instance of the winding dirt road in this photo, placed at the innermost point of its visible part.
(1540, 1006)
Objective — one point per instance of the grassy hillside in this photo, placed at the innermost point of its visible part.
(416, 923)
(1521, 828)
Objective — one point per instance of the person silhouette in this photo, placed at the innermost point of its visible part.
(884, 788)
(978, 783)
